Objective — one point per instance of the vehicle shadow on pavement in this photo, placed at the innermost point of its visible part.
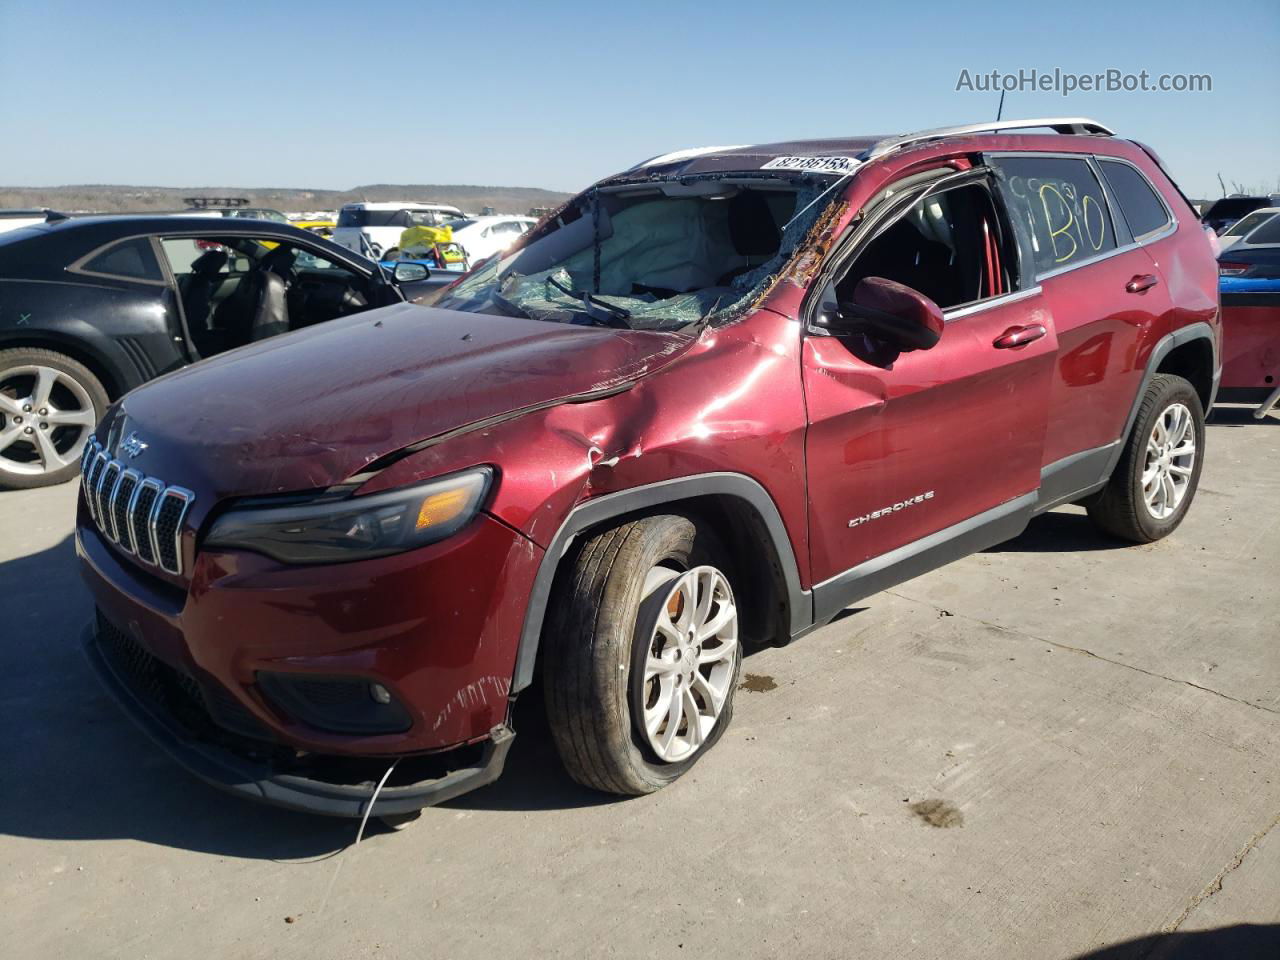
(80, 770)
(1245, 941)
(1059, 531)
(534, 778)
(1238, 416)
(76, 768)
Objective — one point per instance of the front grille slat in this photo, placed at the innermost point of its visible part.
(169, 511)
(96, 462)
(106, 498)
(140, 519)
(122, 501)
(141, 514)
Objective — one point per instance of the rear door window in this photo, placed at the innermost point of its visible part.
(373, 218)
(1141, 208)
(130, 259)
(1060, 204)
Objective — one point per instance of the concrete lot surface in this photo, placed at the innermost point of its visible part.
(1049, 749)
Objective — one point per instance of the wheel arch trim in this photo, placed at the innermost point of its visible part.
(1200, 330)
(116, 378)
(609, 506)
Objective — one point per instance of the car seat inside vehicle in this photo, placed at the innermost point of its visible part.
(239, 290)
(196, 290)
(946, 246)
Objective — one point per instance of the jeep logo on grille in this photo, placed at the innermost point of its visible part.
(132, 445)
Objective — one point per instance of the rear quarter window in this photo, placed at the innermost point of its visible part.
(1141, 207)
(129, 259)
(1060, 205)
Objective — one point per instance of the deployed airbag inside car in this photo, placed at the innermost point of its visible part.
(671, 244)
(650, 257)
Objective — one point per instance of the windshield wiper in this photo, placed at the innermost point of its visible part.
(599, 310)
(514, 308)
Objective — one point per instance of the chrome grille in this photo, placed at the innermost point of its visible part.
(140, 514)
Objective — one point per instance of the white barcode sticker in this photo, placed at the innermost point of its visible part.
(814, 164)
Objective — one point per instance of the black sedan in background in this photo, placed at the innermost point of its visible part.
(92, 307)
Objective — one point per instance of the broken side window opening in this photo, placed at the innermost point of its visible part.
(947, 246)
(654, 255)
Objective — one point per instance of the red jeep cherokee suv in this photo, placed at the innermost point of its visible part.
(704, 406)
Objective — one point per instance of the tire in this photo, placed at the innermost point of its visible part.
(32, 380)
(607, 633)
(1131, 510)
(392, 254)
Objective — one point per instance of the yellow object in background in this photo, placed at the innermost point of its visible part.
(417, 238)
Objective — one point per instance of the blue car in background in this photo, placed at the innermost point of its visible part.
(1251, 269)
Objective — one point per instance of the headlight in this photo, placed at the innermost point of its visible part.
(359, 528)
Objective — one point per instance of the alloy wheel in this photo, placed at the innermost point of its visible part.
(691, 660)
(1170, 461)
(46, 417)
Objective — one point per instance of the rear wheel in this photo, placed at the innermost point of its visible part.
(49, 405)
(1155, 481)
(642, 655)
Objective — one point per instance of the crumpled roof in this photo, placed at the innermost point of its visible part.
(743, 159)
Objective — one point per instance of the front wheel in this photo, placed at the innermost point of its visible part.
(1155, 481)
(642, 655)
(49, 405)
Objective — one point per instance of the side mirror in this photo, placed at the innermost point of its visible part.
(891, 313)
(405, 272)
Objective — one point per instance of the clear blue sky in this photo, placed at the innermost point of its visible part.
(558, 93)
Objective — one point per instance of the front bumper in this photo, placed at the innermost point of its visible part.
(262, 771)
(437, 627)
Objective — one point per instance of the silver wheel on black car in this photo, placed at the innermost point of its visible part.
(641, 655)
(49, 405)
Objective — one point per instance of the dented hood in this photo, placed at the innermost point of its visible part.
(312, 408)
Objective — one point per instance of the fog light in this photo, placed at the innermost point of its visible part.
(336, 704)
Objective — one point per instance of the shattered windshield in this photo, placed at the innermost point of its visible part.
(651, 256)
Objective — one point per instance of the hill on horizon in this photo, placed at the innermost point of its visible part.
(118, 198)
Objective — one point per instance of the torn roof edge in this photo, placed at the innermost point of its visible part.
(687, 154)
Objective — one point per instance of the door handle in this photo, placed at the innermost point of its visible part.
(1142, 283)
(1016, 337)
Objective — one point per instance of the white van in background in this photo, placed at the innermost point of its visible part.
(482, 237)
(374, 229)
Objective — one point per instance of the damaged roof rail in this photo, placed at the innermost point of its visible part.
(1076, 125)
